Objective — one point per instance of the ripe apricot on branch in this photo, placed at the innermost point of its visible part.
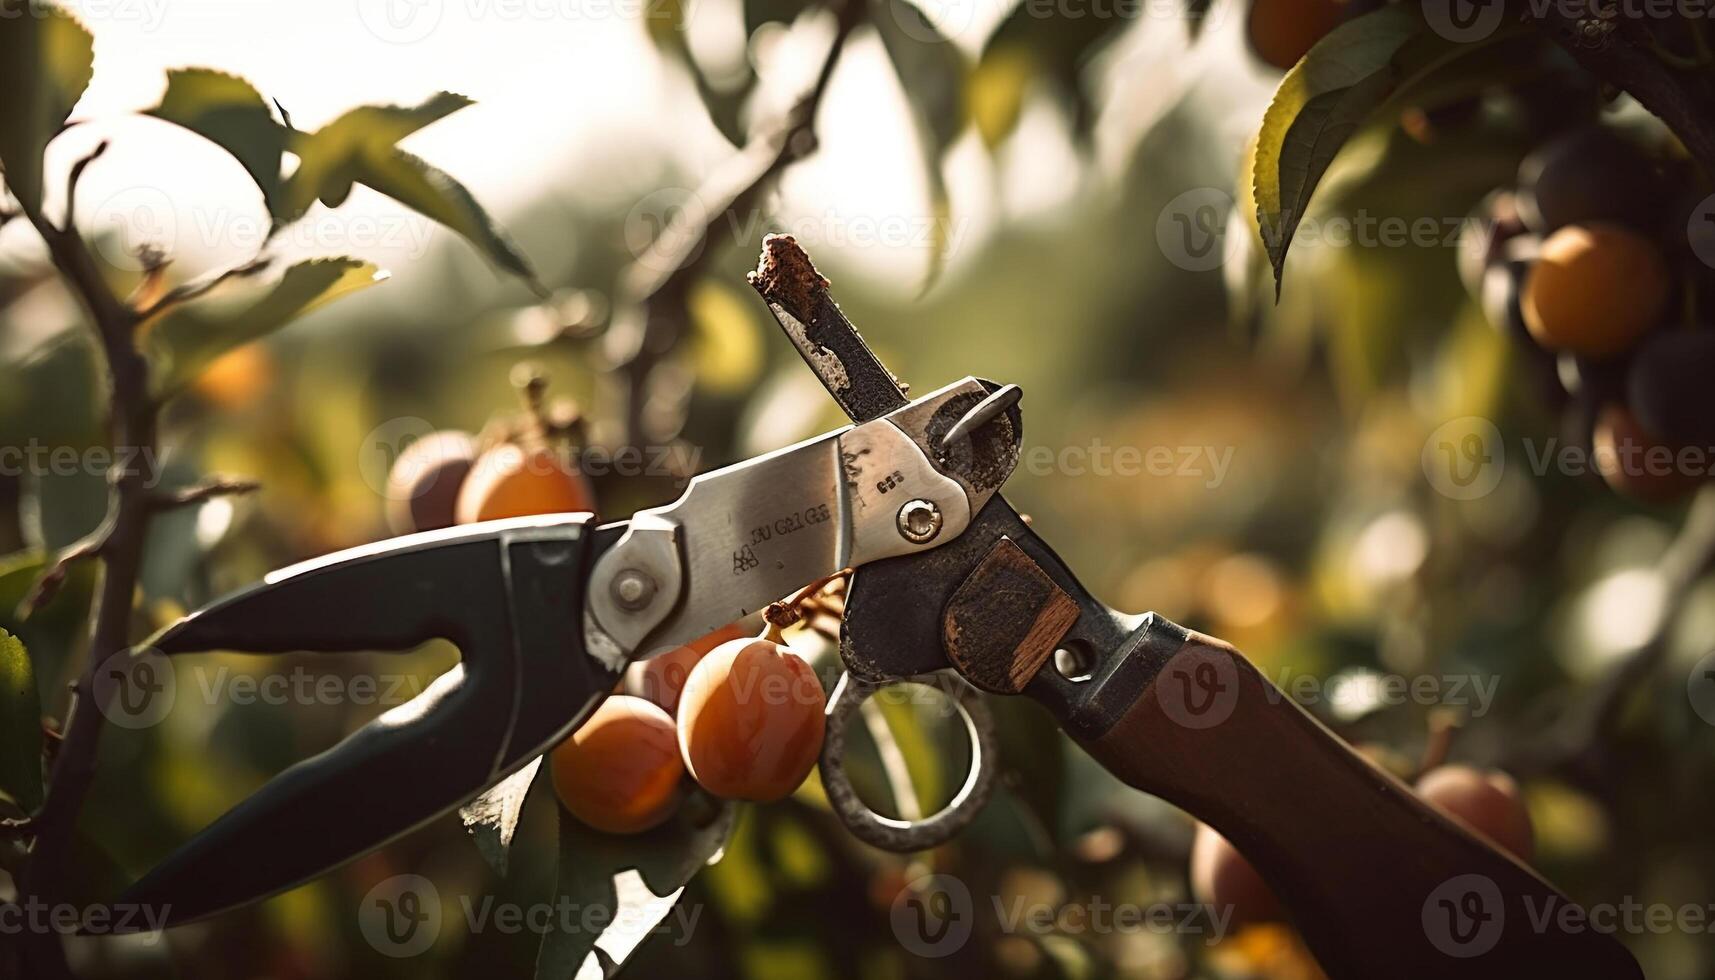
(423, 485)
(1282, 31)
(1635, 461)
(1595, 290)
(661, 679)
(515, 481)
(619, 772)
(1487, 801)
(751, 720)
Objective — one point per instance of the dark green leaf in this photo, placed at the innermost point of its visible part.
(361, 147)
(596, 873)
(229, 112)
(431, 192)
(185, 339)
(1325, 98)
(492, 818)
(46, 60)
(20, 725)
(326, 157)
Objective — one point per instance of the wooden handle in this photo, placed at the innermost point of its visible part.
(1379, 883)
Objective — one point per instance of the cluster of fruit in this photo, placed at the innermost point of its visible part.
(1486, 802)
(516, 469)
(1594, 264)
(742, 715)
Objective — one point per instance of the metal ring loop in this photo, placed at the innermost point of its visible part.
(907, 835)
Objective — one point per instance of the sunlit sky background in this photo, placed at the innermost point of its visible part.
(572, 99)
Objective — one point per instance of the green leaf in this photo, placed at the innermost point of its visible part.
(492, 818)
(185, 339)
(1359, 67)
(361, 146)
(20, 726)
(327, 156)
(431, 192)
(227, 111)
(635, 879)
(46, 60)
(933, 74)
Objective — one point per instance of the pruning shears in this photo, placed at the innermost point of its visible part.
(948, 580)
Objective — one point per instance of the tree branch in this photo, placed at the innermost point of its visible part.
(133, 418)
(1626, 58)
(659, 282)
(204, 490)
(1575, 741)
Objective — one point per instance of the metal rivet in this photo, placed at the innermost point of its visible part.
(919, 521)
(633, 589)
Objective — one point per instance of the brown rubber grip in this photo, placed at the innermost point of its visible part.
(1379, 883)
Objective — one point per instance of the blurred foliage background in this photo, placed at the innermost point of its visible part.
(1029, 250)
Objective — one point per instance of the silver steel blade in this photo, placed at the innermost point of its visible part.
(753, 533)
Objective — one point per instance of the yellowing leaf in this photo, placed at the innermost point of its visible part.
(726, 347)
(995, 96)
(20, 725)
(185, 339)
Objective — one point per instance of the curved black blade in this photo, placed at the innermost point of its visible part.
(509, 594)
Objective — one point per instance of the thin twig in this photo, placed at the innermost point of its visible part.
(202, 287)
(72, 181)
(47, 584)
(204, 490)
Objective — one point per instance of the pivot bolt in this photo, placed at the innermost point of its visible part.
(633, 589)
(919, 521)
